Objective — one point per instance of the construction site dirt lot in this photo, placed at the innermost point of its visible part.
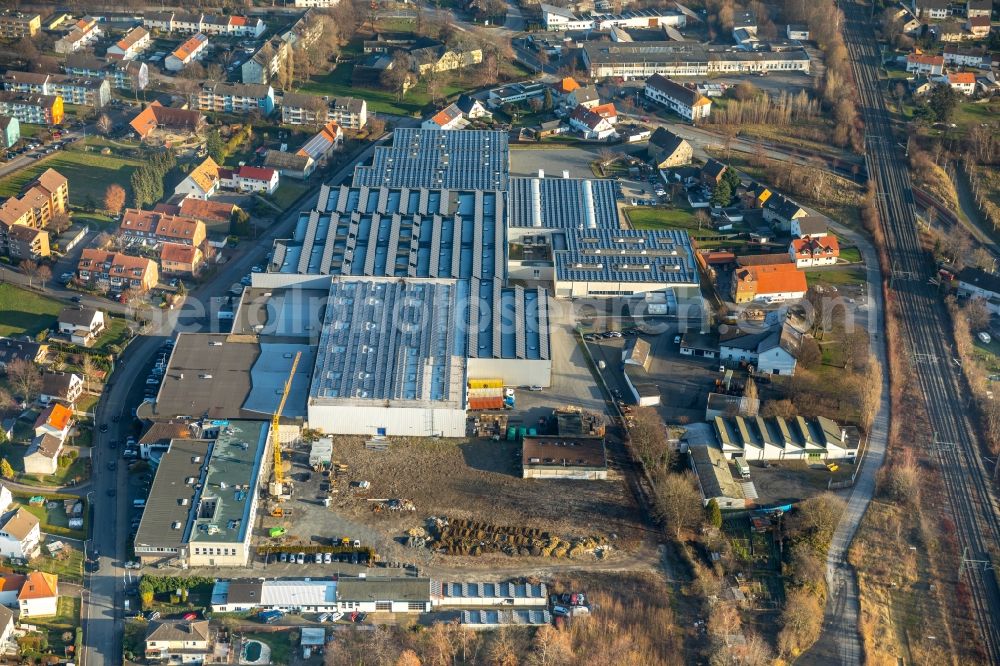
(474, 479)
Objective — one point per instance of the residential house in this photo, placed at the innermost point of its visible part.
(448, 118)
(20, 533)
(24, 242)
(768, 283)
(236, 98)
(666, 149)
(951, 31)
(202, 182)
(323, 144)
(779, 210)
(266, 62)
(25, 350)
(10, 587)
(186, 53)
(117, 271)
(974, 8)
(82, 325)
(256, 179)
(32, 109)
(978, 26)
(177, 259)
(814, 251)
(290, 165)
(439, 58)
(935, 10)
(223, 25)
(55, 420)
(132, 44)
(85, 32)
(148, 227)
(811, 226)
(217, 215)
(65, 387)
(128, 75)
(685, 102)
(10, 131)
(14, 25)
(166, 119)
(40, 595)
(591, 125)
(42, 456)
(958, 56)
(564, 87)
(349, 112)
(772, 351)
(304, 109)
(711, 173)
(178, 641)
(585, 96)
(924, 64)
(963, 82)
(977, 283)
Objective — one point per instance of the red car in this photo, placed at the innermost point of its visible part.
(191, 616)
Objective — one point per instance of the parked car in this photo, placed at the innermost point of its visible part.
(318, 559)
(282, 557)
(300, 558)
(327, 558)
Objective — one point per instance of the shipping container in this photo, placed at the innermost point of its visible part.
(479, 404)
(485, 383)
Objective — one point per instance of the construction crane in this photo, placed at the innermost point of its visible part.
(278, 485)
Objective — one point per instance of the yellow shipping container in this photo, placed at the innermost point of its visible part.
(485, 383)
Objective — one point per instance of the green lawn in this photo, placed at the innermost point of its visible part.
(55, 521)
(89, 173)
(851, 254)
(837, 276)
(337, 83)
(68, 564)
(116, 333)
(288, 192)
(648, 217)
(25, 312)
(280, 643)
(64, 622)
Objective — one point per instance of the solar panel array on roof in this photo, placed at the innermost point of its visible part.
(392, 340)
(439, 159)
(563, 203)
(627, 255)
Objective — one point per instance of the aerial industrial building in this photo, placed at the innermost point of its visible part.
(396, 291)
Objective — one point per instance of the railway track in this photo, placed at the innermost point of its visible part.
(927, 332)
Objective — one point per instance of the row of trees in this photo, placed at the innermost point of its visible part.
(751, 107)
(147, 180)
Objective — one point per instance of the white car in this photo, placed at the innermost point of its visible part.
(327, 558)
(336, 616)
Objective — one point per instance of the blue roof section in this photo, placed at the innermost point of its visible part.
(627, 255)
(473, 159)
(563, 203)
(269, 374)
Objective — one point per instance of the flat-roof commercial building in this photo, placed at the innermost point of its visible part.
(582, 458)
(203, 503)
(219, 376)
(370, 595)
(439, 159)
(640, 60)
(390, 360)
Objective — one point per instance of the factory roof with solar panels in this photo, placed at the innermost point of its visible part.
(562, 203)
(390, 340)
(439, 159)
(627, 255)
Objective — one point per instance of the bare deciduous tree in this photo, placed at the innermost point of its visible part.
(25, 378)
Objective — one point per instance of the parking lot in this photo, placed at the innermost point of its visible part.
(575, 159)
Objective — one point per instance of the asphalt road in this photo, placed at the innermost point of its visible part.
(929, 345)
(103, 605)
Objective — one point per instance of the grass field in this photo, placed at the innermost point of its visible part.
(337, 83)
(667, 218)
(837, 276)
(851, 254)
(24, 312)
(280, 643)
(288, 192)
(89, 173)
(115, 334)
(65, 622)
